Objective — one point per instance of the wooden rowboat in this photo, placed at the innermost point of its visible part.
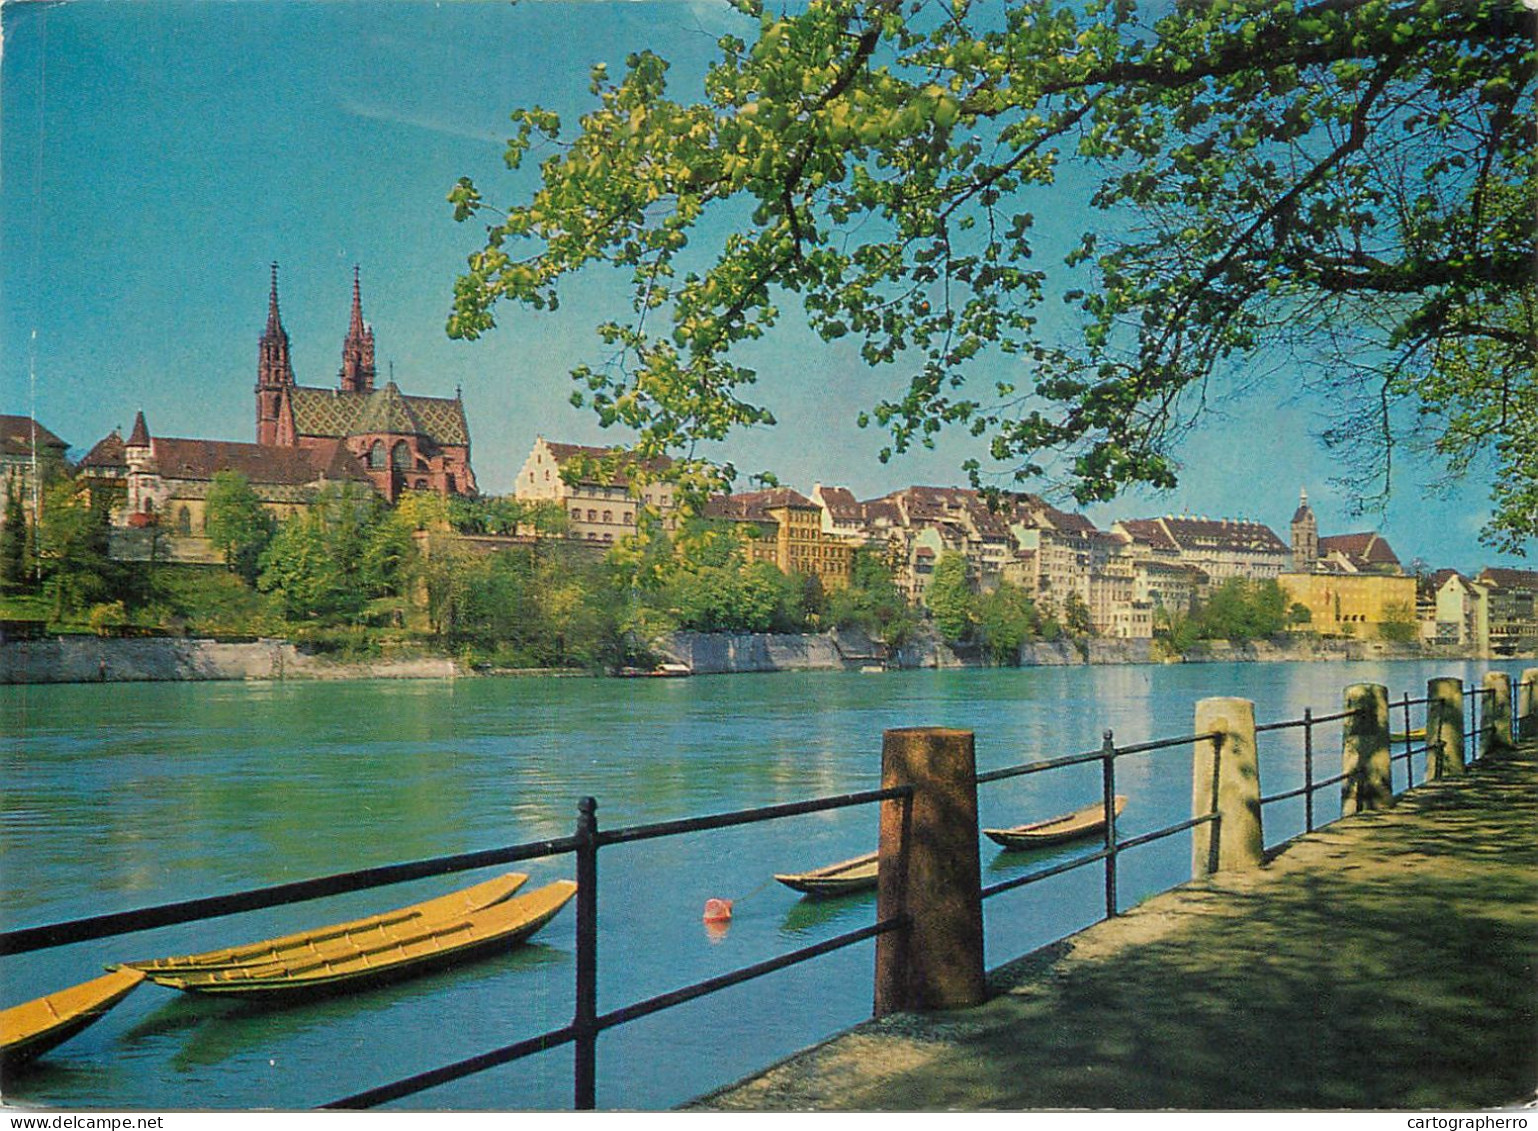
(397, 950)
(846, 876)
(1055, 830)
(340, 938)
(32, 1028)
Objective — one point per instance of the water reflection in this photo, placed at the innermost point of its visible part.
(810, 915)
(120, 795)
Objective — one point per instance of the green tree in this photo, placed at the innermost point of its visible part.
(72, 548)
(1241, 609)
(872, 602)
(235, 521)
(1076, 618)
(13, 544)
(1398, 622)
(950, 597)
(1345, 182)
(329, 560)
(1006, 619)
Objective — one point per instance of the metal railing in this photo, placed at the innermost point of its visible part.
(1311, 785)
(1112, 845)
(587, 1023)
(588, 838)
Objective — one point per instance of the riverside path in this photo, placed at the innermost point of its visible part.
(1386, 961)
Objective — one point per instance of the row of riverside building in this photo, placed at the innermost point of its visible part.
(1353, 585)
(391, 442)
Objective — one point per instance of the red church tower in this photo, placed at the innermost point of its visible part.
(274, 376)
(358, 348)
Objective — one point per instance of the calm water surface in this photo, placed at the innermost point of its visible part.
(120, 796)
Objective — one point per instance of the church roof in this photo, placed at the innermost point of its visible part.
(259, 463)
(338, 413)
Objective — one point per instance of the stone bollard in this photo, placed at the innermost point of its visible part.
(1527, 704)
(1365, 750)
(1496, 737)
(1225, 779)
(1444, 728)
(929, 870)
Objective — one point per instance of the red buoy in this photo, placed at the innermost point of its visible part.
(718, 910)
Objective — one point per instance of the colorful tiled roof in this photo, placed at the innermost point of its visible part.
(337, 413)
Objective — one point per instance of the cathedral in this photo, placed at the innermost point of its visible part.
(306, 437)
(403, 442)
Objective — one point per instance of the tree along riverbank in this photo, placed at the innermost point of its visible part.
(89, 659)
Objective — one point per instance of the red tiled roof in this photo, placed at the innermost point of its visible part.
(1365, 549)
(16, 434)
(754, 506)
(615, 461)
(259, 463)
(1509, 578)
(108, 453)
(841, 503)
(1224, 534)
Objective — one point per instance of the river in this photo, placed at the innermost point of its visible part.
(118, 796)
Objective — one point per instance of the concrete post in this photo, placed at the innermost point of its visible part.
(1365, 750)
(1225, 779)
(1444, 728)
(929, 870)
(1496, 738)
(1527, 704)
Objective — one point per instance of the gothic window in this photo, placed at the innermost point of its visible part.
(376, 455)
(400, 455)
(184, 521)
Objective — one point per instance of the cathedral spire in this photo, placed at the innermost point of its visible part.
(274, 372)
(274, 320)
(358, 348)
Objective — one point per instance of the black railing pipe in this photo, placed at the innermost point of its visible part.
(1108, 792)
(584, 1023)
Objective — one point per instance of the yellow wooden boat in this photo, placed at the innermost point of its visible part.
(32, 1028)
(846, 876)
(341, 938)
(1055, 830)
(1408, 736)
(395, 950)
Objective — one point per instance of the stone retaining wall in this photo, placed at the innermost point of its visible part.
(86, 659)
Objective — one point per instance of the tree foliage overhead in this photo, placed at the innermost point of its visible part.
(1347, 180)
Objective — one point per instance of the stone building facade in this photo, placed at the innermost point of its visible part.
(598, 488)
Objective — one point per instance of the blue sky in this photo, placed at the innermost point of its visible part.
(155, 157)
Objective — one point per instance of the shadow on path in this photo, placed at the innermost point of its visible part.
(1387, 961)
